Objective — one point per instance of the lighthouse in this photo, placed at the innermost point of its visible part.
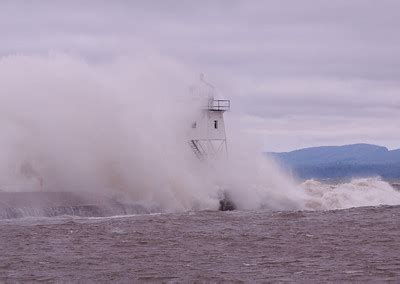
(208, 136)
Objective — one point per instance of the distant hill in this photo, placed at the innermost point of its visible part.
(338, 162)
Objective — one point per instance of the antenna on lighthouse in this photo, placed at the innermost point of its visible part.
(208, 136)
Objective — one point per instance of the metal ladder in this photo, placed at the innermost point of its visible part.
(196, 149)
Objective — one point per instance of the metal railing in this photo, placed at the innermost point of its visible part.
(219, 105)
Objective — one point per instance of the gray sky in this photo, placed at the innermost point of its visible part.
(299, 72)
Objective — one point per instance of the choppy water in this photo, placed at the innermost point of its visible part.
(357, 244)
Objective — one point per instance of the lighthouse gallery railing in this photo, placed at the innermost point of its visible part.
(219, 105)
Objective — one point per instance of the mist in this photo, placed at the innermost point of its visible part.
(113, 128)
(121, 129)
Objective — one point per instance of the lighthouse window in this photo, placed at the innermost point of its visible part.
(194, 124)
(216, 124)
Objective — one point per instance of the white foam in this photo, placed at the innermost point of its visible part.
(358, 192)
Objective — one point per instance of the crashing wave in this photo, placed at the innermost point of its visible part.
(358, 192)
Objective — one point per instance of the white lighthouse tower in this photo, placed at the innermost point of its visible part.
(208, 137)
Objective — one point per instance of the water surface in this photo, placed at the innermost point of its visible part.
(357, 244)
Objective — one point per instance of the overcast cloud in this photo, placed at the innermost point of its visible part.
(299, 72)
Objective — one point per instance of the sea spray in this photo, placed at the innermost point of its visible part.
(120, 129)
(358, 192)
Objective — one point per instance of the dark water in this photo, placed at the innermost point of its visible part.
(358, 244)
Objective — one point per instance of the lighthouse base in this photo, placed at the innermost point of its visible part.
(226, 204)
